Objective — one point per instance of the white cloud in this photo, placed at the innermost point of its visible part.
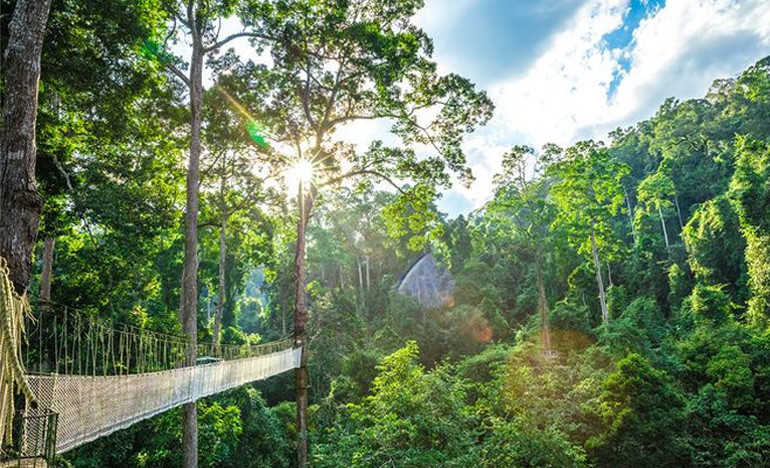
(566, 87)
(678, 52)
(683, 48)
(563, 96)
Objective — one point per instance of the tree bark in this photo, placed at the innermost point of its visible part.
(663, 224)
(222, 262)
(20, 204)
(599, 281)
(189, 307)
(47, 273)
(305, 203)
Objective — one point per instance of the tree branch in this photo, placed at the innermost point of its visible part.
(229, 38)
(173, 69)
(361, 172)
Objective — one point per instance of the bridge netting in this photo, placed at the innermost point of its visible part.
(90, 407)
(64, 340)
(98, 376)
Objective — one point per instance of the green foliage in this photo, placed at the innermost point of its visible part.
(511, 445)
(750, 188)
(714, 244)
(710, 305)
(639, 328)
(588, 193)
(637, 429)
(679, 376)
(413, 419)
(678, 286)
(235, 430)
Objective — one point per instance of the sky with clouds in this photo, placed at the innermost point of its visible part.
(565, 70)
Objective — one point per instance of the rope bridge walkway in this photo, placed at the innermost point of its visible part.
(91, 407)
(90, 377)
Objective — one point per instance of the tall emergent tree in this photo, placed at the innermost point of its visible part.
(199, 19)
(20, 204)
(654, 193)
(522, 196)
(339, 62)
(588, 194)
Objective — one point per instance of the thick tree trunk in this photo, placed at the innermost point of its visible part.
(663, 224)
(47, 273)
(20, 204)
(305, 202)
(189, 307)
(222, 263)
(599, 281)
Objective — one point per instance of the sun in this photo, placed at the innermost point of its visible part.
(300, 172)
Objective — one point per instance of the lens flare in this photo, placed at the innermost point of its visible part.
(153, 50)
(301, 171)
(255, 130)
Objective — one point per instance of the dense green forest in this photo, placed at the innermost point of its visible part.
(646, 257)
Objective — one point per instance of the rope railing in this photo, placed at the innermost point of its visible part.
(13, 312)
(63, 340)
(92, 407)
(94, 376)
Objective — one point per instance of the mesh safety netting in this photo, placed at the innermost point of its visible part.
(90, 407)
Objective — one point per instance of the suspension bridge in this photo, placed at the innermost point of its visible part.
(86, 378)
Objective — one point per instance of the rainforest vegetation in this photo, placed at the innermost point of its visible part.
(645, 255)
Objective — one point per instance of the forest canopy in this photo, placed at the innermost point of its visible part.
(609, 304)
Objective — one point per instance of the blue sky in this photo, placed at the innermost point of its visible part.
(564, 70)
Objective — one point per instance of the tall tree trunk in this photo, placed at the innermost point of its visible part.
(305, 203)
(663, 224)
(599, 281)
(360, 275)
(20, 204)
(678, 211)
(630, 214)
(368, 282)
(47, 273)
(222, 262)
(189, 299)
(362, 299)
